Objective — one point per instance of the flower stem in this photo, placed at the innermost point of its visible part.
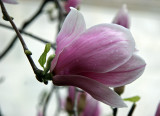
(115, 111)
(75, 103)
(58, 101)
(132, 110)
(47, 101)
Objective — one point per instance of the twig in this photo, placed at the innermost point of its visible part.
(0, 112)
(61, 15)
(29, 34)
(132, 109)
(115, 111)
(119, 91)
(23, 27)
(34, 67)
(58, 102)
(75, 103)
(47, 101)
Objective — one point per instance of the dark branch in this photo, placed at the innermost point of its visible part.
(29, 34)
(58, 101)
(37, 72)
(47, 101)
(26, 24)
(61, 14)
(132, 110)
(115, 111)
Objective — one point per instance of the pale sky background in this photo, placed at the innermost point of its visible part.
(20, 91)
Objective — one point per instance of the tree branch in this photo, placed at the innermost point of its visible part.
(27, 23)
(38, 73)
(47, 101)
(132, 109)
(29, 34)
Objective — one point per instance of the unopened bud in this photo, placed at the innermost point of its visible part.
(119, 90)
(69, 105)
(82, 102)
(27, 52)
(6, 19)
(71, 3)
(122, 18)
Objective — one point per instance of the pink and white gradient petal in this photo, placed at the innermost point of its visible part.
(122, 75)
(95, 89)
(92, 107)
(100, 49)
(72, 27)
(122, 17)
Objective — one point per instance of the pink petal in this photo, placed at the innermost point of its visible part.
(71, 3)
(101, 48)
(123, 75)
(71, 92)
(92, 107)
(94, 88)
(10, 1)
(72, 27)
(122, 18)
(158, 110)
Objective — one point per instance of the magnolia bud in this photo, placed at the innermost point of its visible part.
(119, 90)
(71, 3)
(122, 18)
(69, 105)
(81, 102)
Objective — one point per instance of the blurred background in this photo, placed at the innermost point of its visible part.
(20, 91)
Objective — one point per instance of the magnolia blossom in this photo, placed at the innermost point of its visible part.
(71, 3)
(122, 17)
(92, 107)
(158, 110)
(95, 59)
(87, 106)
(10, 1)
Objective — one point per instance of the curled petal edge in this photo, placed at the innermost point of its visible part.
(72, 27)
(123, 75)
(97, 90)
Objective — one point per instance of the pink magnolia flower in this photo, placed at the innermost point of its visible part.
(122, 17)
(87, 106)
(158, 110)
(92, 107)
(10, 1)
(71, 3)
(95, 59)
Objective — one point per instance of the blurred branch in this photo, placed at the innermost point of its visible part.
(47, 101)
(25, 24)
(75, 103)
(0, 112)
(115, 110)
(58, 102)
(61, 14)
(29, 34)
(132, 110)
(39, 73)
